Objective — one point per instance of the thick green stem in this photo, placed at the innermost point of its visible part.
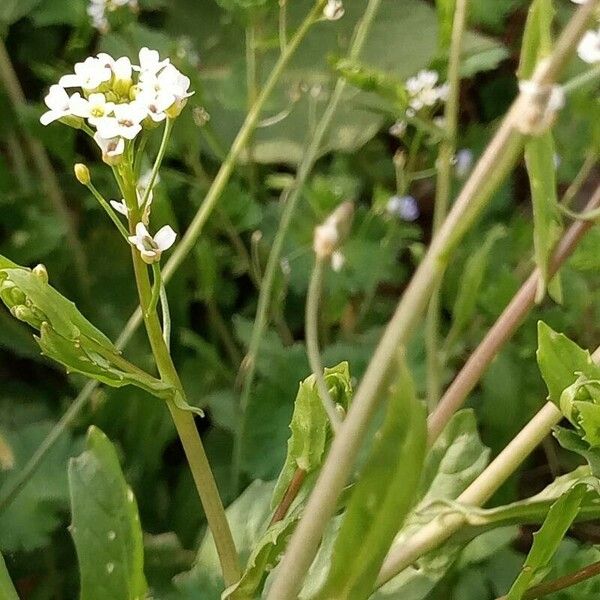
(292, 198)
(442, 198)
(493, 166)
(313, 299)
(183, 420)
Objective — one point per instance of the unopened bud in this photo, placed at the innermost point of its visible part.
(333, 231)
(40, 272)
(82, 174)
(334, 10)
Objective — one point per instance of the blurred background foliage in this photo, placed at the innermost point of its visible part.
(213, 296)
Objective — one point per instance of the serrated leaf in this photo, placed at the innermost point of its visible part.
(560, 359)
(571, 440)
(310, 426)
(7, 589)
(105, 524)
(546, 540)
(382, 497)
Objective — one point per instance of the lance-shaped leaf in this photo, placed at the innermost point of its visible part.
(382, 497)
(546, 540)
(310, 426)
(540, 152)
(7, 589)
(105, 524)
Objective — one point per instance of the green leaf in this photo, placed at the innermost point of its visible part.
(560, 359)
(471, 281)
(7, 589)
(248, 517)
(28, 522)
(547, 226)
(546, 540)
(13, 10)
(264, 558)
(571, 440)
(310, 427)
(537, 37)
(105, 524)
(382, 497)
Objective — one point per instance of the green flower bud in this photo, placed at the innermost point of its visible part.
(40, 272)
(82, 174)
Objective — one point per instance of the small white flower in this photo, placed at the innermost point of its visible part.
(92, 108)
(463, 161)
(57, 101)
(589, 47)
(150, 63)
(334, 10)
(424, 91)
(338, 260)
(150, 247)
(126, 122)
(89, 74)
(112, 148)
(398, 129)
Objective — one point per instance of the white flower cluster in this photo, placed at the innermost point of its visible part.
(589, 47)
(98, 9)
(423, 90)
(118, 99)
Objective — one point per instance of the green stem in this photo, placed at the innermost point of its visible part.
(312, 340)
(293, 196)
(582, 80)
(562, 583)
(442, 198)
(282, 25)
(159, 158)
(251, 94)
(109, 211)
(156, 287)
(493, 166)
(182, 250)
(183, 420)
(166, 316)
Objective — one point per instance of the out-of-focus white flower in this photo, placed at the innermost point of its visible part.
(404, 207)
(112, 148)
(58, 102)
(326, 239)
(338, 260)
(334, 10)
(542, 104)
(151, 248)
(579, 1)
(589, 47)
(89, 75)
(423, 90)
(463, 161)
(98, 9)
(93, 108)
(398, 129)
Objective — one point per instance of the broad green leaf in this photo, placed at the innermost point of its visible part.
(7, 589)
(540, 152)
(28, 522)
(382, 497)
(248, 518)
(471, 281)
(560, 359)
(572, 440)
(310, 427)
(105, 524)
(546, 540)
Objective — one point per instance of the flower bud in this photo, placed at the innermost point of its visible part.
(40, 271)
(332, 232)
(82, 173)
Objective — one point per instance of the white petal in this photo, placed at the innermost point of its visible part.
(79, 106)
(68, 81)
(50, 117)
(119, 207)
(165, 237)
(141, 231)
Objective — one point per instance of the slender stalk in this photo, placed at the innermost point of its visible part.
(183, 420)
(166, 316)
(17, 155)
(179, 254)
(503, 329)
(442, 197)
(582, 80)
(251, 93)
(282, 25)
(564, 582)
(291, 201)
(290, 495)
(591, 160)
(108, 209)
(313, 300)
(496, 161)
(158, 161)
